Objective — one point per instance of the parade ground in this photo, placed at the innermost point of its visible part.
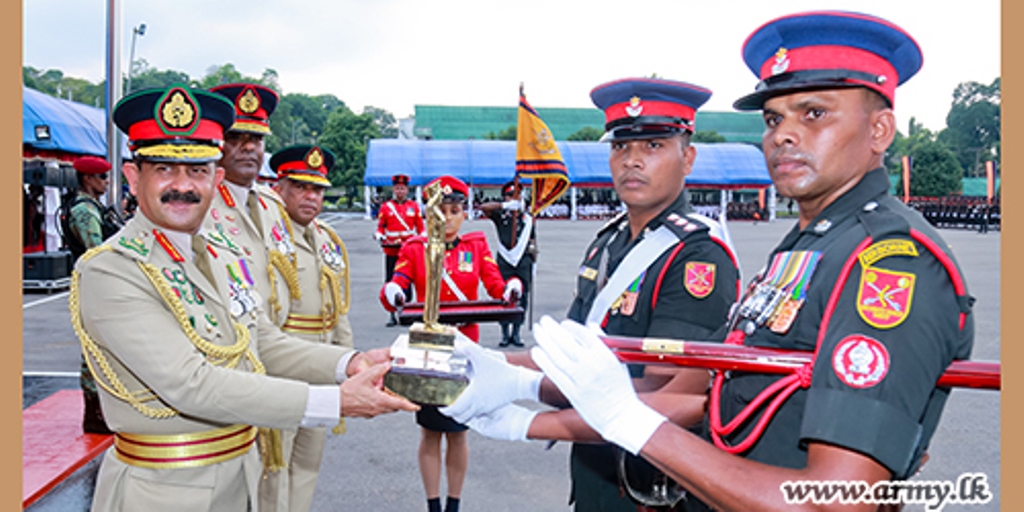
(374, 465)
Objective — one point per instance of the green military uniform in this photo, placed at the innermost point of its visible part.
(85, 220)
(681, 295)
(897, 324)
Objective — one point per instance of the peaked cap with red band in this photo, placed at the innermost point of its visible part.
(647, 108)
(91, 165)
(174, 124)
(305, 163)
(454, 189)
(828, 50)
(400, 179)
(253, 105)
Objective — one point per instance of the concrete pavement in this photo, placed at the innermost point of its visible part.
(374, 465)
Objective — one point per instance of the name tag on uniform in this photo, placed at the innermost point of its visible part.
(588, 273)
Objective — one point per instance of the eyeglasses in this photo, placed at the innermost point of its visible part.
(103, 176)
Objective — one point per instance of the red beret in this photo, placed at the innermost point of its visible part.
(91, 165)
(454, 189)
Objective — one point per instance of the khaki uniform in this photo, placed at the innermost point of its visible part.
(319, 315)
(165, 337)
(254, 224)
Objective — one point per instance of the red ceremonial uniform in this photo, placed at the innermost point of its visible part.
(398, 222)
(468, 261)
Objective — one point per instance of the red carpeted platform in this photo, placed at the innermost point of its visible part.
(53, 444)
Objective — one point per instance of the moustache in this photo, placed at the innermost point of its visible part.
(184, 197)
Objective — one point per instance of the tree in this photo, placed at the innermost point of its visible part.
(587, 133)
(506, 134)
(973, 125)
(708, 136)
(145, 77)
(384, 120)
(935, 171)
(298, 116)
(348, 135)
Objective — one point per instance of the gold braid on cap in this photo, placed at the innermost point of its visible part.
(220, 355)
(286, 265)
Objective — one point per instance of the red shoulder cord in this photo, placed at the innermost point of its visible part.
(801, 377)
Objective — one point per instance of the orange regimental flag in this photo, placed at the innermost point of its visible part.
(538, 158)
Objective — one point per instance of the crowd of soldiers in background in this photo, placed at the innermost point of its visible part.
(956, 212)
(959, 212)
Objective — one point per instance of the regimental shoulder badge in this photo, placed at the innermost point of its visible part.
(884, 297)
(860, 361)
(700, 278)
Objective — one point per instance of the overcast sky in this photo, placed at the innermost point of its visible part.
(395, 54)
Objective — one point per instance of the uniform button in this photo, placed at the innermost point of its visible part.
(870, 207)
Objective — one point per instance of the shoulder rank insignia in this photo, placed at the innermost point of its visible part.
(860, 361)
(884, 297)
(700, 278)
(134, 244)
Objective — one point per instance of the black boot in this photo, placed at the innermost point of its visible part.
(434, 505)
(505, 339)
(515, 335)
(392, 320)
(451, 505)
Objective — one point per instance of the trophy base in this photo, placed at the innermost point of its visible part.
(424, 368)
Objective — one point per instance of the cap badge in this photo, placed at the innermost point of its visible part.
(315, 159)
(781, 61)
(177, 112)
(634, 108)
(249, 101)
(446, 190)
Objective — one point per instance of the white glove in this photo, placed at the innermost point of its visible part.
(595, 382)
(493, 383)
(394, 294)
(512, 204)
(508, 423)
(513, 290)
(378, 236)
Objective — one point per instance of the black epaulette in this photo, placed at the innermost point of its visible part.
(611, 223)
(880, 222)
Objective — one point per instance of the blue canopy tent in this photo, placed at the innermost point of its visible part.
(55, 125)
(488, 162)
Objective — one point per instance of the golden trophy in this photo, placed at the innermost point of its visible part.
(424, 368)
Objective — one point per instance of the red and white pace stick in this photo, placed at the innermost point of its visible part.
(716, 356)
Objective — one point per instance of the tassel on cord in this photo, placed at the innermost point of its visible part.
(271, 450)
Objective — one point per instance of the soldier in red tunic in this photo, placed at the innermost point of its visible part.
(467, 263)
(399, 220)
